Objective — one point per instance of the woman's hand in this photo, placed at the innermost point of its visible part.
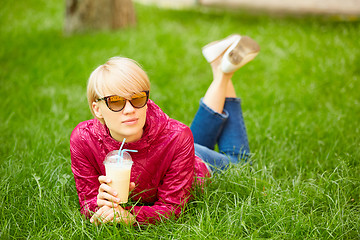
(108, 214)
(107, 195)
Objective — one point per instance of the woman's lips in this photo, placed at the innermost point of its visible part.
(130, 121)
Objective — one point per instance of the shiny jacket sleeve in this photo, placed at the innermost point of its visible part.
(85, 173)
(174, 192)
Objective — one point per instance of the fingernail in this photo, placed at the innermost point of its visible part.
(91, 220)
(118, 199)
(115, 193)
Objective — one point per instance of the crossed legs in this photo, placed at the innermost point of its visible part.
(219, 121)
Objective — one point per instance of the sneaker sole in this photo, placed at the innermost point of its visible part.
(244, 51)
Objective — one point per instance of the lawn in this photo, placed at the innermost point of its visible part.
(301, 103)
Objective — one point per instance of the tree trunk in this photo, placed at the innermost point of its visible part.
(87, 15)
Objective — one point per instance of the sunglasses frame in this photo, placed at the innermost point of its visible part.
(107, 104)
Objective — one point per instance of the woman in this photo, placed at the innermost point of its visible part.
(167, 163)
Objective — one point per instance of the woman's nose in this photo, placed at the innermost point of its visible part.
(128, 107)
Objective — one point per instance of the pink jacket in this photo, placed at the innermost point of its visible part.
(163, 171)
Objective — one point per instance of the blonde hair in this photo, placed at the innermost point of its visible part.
(120, 76)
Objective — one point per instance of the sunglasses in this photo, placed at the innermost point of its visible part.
(116, 103)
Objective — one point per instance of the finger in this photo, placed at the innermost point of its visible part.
(95, 219)
(132, 186)
(110, 215)
(101, 214)
(101, 203)
(104, 179)
(106, 188)
(97, 216)
(106, 196)
(92, 219)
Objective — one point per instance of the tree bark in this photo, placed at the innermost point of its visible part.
(89, 15)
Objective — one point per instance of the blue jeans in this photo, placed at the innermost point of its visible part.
(227, 130)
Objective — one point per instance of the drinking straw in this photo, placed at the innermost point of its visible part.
(126, 150)
(122, 144)
(121, 151)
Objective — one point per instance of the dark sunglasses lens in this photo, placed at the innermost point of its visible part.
(116, 103)
(139, 100)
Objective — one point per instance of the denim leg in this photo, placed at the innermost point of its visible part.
(227, 130)
(216, 161)
(207, 125)
(233, 140)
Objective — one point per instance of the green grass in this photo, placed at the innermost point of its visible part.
(301, 102)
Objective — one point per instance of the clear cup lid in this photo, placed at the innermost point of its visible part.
(114, 157)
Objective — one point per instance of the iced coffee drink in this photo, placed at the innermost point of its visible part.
(118, 169)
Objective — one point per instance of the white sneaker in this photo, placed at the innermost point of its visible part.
(242, 51)
(215, 49)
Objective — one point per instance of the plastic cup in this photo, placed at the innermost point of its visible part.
(119, 169)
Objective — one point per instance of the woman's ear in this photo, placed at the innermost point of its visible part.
(97, 110)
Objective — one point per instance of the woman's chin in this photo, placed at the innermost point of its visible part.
(131, 135)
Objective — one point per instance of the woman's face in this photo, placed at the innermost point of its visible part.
(127, 123)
